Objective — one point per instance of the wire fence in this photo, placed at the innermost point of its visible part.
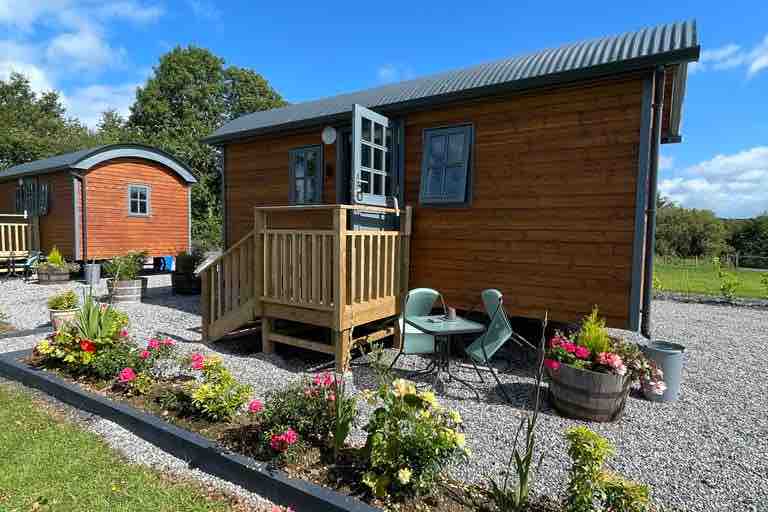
(734, 261)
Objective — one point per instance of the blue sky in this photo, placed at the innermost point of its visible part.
(97, 52)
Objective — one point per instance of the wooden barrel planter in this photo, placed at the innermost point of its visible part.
(60, 316)
(587, 395)
(126, 292)
(52, 276)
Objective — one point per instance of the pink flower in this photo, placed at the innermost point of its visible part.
(255, 406)
(124, 333)
(324, 380)
(153, 344)
(291, 436)
(568, 347)
(552, 364)
(127, 375)
(144, 354)
(167, 342)
(283, 441)
(581, 352)
(197, 361)
(332, 397)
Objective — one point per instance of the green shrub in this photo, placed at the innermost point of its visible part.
(411, 439)
(219, 396)
(593, 333)
(729, 282)
(125, 268)
(108, 362)
(657, 283)
(55, 261)
(63, 301)
(590, 488)
(99, 322)
(764, 282)
(55, 258)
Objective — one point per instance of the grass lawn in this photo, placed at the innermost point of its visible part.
(702, 279)
(48, 465)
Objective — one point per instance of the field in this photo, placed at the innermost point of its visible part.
(688, 277)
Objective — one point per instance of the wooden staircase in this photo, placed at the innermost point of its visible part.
(304, 265)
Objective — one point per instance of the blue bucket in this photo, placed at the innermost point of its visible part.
(668, 357)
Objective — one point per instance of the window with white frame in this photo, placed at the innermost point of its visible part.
(138, 200)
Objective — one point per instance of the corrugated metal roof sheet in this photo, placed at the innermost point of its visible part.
(85, 158)
(662, 44)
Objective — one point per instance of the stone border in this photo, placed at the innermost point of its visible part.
(198, 451)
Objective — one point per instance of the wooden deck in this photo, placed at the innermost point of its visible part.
(16, 240)
(301, 265)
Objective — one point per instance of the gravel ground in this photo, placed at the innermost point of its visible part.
(706, 452)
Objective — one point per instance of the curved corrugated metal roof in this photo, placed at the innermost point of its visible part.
(662, 44)
(87, 158)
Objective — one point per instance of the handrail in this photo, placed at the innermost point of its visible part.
(354, 207)
(218, 258)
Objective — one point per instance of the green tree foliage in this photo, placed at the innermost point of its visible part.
(751, 239)
(688, 232)
(189, 95)
(34, 125)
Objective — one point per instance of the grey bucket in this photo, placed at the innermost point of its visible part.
(669, 357)
(92, 274)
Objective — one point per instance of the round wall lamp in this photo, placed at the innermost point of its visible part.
(329, 135)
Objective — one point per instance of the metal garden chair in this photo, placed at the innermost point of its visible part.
(33, 259)
(418, 302)
(498, 333)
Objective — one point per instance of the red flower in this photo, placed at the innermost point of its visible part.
(87, 346)
(552, 364)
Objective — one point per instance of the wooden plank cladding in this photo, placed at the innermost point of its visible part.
(111, 231)
(551, 217)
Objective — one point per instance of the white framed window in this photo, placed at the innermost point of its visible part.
(138, 200)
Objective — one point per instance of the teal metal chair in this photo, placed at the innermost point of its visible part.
(418, 302)
(496, 335)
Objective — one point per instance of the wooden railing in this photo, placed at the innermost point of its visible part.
(14, 236)
(373, 263)
(298, 267)
(228, 292)
(307, 259)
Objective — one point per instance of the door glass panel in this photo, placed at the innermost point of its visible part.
(378, 184)
(311, 163)
(378, 159)
(388, 185)
(378, 134)
(299, 165)
(456, 147)
(365, 156)
(300, 191)
(309, 191)
(365, 182)
(437, 150)
(366, 129)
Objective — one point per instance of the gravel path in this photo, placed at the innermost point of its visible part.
(706, 452)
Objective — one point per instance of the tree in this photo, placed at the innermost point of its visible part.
(688, 232)
(189, 95)
(35, 126)
(750, 240)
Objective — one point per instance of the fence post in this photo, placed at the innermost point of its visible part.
(258, 262)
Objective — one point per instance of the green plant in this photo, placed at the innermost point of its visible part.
(588, 452)
(624, 495)
(657, 283)
(99, 322)
(125, 268)
(411, 439)
(55, 262)
(219, 396)
(593, 333)
(55, 258)
(63, 301)
(729, 281)
(764, 282)
(108, 362)
(345, 411)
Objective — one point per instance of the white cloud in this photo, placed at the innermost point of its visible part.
(389, 73)
(83, 51)
(734, 185)
(204, 9)
(733, 56)
(74, 13)
(38, 78)
(666, 162)
(88, 103)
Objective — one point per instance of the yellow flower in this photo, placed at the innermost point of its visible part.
(429, 397)
(459, 439)
(369, 396)
(404, 475)
(422, 414)
(44, 347)
(455, 416)
(403, 387)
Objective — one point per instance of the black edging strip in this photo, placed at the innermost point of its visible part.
(198, 451)
(27, 332)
